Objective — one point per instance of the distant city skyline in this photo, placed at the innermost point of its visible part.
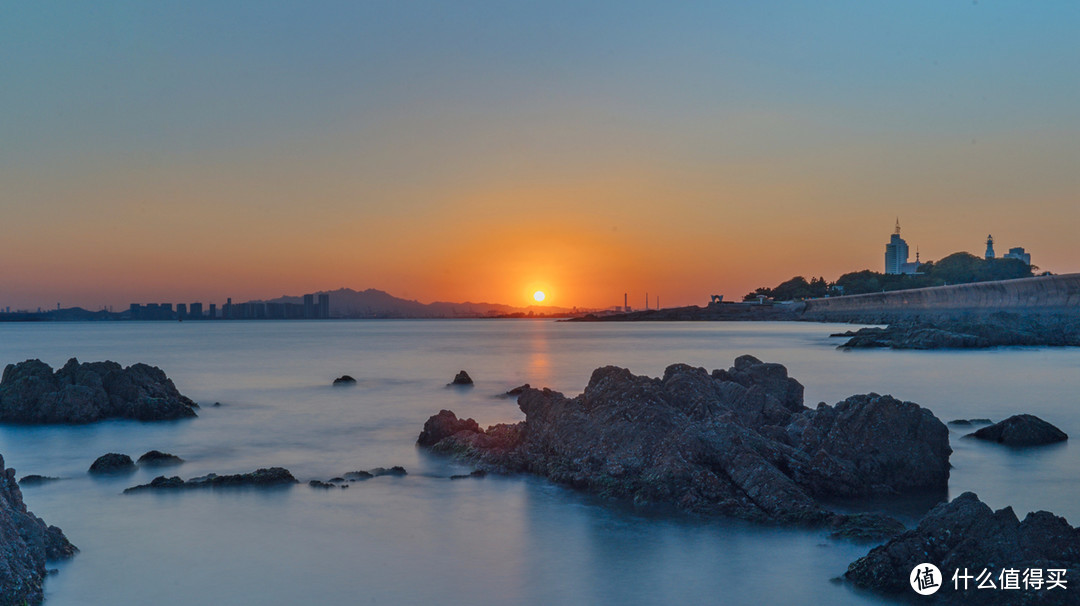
(485, 151)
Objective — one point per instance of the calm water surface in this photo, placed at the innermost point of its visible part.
(497, 540)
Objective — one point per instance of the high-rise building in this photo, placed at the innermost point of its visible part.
(896, 253)
(324, 306)
(181, 311)
(309, 306)
(195, 311)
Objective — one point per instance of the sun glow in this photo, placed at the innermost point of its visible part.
(539, 296)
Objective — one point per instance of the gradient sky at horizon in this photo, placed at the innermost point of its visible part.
(476, 151)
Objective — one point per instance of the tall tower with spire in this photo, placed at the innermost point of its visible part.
(896, 252)
(990, 247)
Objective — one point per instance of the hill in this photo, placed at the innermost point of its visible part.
(373, 303)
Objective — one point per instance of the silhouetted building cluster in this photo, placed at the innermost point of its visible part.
(310, 309)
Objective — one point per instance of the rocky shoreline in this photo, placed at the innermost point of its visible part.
(998, 330)
(26, 544)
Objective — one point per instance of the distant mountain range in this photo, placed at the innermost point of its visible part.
(372, 303)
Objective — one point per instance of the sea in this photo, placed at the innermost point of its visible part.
(426, 539)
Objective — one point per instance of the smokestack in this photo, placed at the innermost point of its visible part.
(646, 301)
(624, 301)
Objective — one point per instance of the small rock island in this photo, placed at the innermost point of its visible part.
(31, 393)
(736, 442)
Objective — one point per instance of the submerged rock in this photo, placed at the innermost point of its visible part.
(273, 476)
(462, 378)
(344, 380)
(112, 462)
(737, 442)
(30, 392)
(478, 473)
(965, 535)
(396, 470)
(1021, 430)
(156, 458)
(969, 422)
(34, 479)
(26, 544)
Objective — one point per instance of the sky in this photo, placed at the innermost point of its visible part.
(480, 151)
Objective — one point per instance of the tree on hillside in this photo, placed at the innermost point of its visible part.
(794, 289)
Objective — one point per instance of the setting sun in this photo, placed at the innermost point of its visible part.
(539, 296)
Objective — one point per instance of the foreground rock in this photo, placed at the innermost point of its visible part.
(965, 534)
(30, 392)
(1021, 430)
(462, 378)
(156, 458)
(344, 380)
(736, 442)
(996, 330)
(112, 463)
(26, 543)
(273, 476)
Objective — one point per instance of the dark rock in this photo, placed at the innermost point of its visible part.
(443, 425)
(112, 463)
(479, 473)
(864, 527)
(966, 534)
(344, 380)
(737, 442)
(273, 476)
(26, 544)
(161, 482)
(156, 458)
(1021, 430)
(358, 475)
(994, 330)
(339, 479)
(969, 422)
(462, 378)
(30, 392)
(396, 470)
(517, 391)
(320, 484)
(33, 479)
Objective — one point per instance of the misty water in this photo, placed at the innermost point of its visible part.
(497, 540)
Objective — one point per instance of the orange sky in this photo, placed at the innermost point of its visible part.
(170, 161)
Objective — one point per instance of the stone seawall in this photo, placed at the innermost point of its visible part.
(1049, 295)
